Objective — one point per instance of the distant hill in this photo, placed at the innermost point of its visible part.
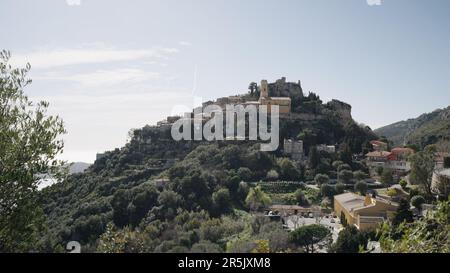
(78, 167)
(426, 129)
(74, 168)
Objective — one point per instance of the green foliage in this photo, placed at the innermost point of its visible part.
(391, 192)
(301, 198)
(403, 184)
(308, 136)
(386, 177)
(168, 201)
(345, 154)
(242, 191)
(206, 247)
(344, 166)
(245, 174)
(403, 213)
(307, 236)
(29, 145)
(288, 170)
(360, 175)
(427, 235)
(257, 199)
(422, 166)
(340, 188)
(272, 175)
(345, 176)
(120, 241)
(417, 201)
(361, 187)
(327, 190)
(379, 170)
(321, 179)
(222, 201)
(337, 163)
(281, 186)
(349, 240)
(312, 195)
(130, 206)
(314, 157)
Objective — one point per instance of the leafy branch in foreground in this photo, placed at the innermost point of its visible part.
(427, 235)
(29, 145)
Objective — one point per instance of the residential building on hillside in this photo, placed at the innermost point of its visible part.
(440, 160)
(402, 153)
(440, 184)
(293, 149)
(327, 148)
(395, 160)
(363, 212)
(398, 160)
(377, 159)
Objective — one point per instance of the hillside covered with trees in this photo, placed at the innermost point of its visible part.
(190, 195)
(430, 128)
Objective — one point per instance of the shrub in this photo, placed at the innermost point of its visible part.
(417, 201)
(345, 176)
(328, 191)
(340, 188)
(301, 198)
(343, 167)
(361, 187)
(321, 179)
(272, 175)
(403, 184)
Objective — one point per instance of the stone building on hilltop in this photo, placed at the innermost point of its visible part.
(284, 103)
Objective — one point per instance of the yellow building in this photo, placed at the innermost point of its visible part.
(363, 212)
(264, 99)
(284, 103)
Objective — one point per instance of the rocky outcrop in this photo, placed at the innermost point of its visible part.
(281, 88)
(343, 109)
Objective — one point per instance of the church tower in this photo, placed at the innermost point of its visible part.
(264, 89)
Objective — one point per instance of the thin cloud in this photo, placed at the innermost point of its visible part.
(105, 78)
(73, 2)
(374, 2)
(185, 43)
(64, 57)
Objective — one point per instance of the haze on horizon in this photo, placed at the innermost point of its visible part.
(109, 66)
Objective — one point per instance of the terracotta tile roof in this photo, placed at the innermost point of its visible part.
(402, 150)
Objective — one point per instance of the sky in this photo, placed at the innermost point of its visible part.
(107, 66)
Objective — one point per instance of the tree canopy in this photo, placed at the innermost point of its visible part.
(29, 143)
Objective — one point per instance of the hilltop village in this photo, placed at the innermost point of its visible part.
(330, 176)
(288, 96)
